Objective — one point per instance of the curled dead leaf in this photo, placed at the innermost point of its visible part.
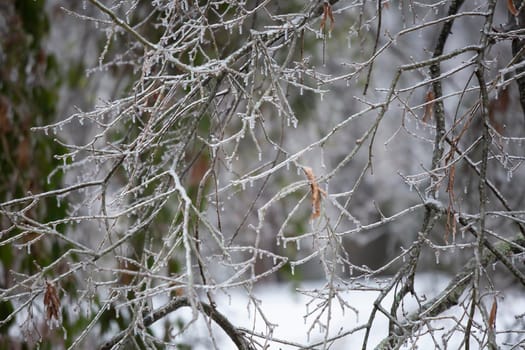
(317, 192)
(493, 312)
(512, 8)
(51, 302)
(498, 106)
(327, 14)
(198, 170)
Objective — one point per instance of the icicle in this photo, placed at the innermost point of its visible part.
(437, 257)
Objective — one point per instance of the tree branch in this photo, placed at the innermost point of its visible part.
(235, 335)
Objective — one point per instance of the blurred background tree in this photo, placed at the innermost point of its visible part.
(30, 79)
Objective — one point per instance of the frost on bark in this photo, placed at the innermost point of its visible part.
(251, 141)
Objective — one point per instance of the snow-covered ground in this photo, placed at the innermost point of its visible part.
(285, 307)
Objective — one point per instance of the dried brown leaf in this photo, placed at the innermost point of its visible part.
(327, 14)
(317, 192)
(198, 170)
(451, 221)
(497, 108)
(512, 8)
(51, 302)
(493, 312)
(331, 15)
